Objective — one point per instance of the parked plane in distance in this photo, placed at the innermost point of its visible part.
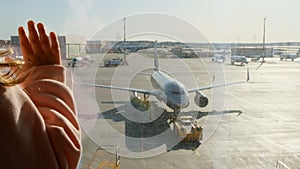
(168, 90)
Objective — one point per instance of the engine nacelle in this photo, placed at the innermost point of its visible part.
(200, 99)
(140, 104)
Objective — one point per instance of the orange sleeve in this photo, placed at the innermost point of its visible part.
(55, 103)
(39, 122)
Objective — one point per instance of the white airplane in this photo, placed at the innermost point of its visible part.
(169, 90)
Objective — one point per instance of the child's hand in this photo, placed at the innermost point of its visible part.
(38, 49)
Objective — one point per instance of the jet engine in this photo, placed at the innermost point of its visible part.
(139, 103)
(200, 99)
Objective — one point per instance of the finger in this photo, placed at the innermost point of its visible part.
(45, 44)
(54, 42)
(34, 39)
(24, 44)
(55, 47)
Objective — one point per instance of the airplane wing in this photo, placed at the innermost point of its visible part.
(118, 88)
(216, 86)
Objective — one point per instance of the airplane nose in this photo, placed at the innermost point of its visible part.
(185, 103)
(181, 102)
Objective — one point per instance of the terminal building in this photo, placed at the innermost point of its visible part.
(93, 47)
(251, 52)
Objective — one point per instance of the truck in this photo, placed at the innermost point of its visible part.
(73, 62)
(106, 156)
(113, 62)
(218, 58)
(187, 129)
(237, 58)
(288, 56)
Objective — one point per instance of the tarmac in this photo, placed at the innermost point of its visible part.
(248, 125)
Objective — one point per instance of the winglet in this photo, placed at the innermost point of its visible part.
(248, 75)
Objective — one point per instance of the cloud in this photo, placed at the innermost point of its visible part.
(80, 20)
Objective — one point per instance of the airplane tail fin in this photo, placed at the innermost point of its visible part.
(155, 57)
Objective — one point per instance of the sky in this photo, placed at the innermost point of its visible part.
(217, 20)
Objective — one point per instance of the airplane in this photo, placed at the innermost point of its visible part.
(168, 90)
(118, 48)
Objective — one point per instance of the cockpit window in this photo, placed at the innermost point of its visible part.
(173, 88)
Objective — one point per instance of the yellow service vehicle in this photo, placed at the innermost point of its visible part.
(187, 129)
(105, 157)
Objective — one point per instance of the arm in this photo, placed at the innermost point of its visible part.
(55, 103)
(46, 88)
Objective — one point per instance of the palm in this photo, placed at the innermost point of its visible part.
(38, 49)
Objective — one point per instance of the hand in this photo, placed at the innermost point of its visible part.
(38, 50)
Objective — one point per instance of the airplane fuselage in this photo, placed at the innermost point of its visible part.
(176, 95)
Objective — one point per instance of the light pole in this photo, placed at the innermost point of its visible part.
(263, 48)
(125, 61)
(264, 41)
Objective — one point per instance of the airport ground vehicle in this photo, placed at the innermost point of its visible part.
(106, 157)
(81, 61)
(73, 62)
(255, 58)
(187, 129)
(236, 58)
(288, 56)
(112, 62)
(218, 58)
